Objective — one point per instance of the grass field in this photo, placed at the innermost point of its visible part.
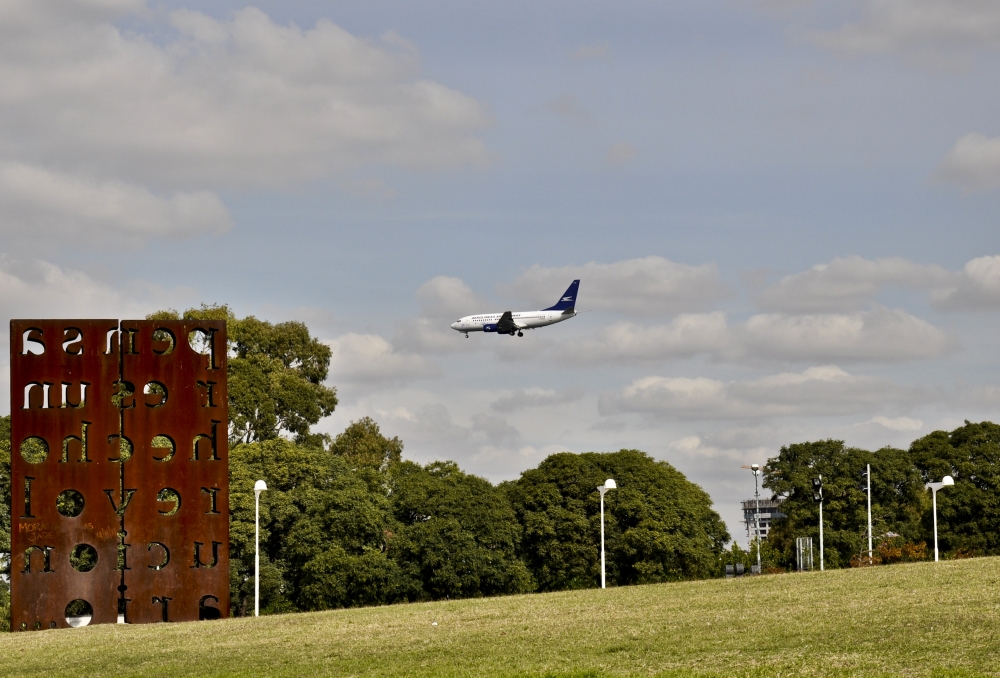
(928, 619)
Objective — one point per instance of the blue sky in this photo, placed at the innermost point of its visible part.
(783, 213)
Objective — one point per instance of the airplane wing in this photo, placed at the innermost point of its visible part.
(506, 324)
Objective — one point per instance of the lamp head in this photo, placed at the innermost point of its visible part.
(754, 467)
(947, 480)
(610, 484)
(259, 486)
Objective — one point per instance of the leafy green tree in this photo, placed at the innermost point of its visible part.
(969, 512)
(659, 526)
(276, 374)
(324, 533)
(897, 502)
(363, 445)
(457, 535)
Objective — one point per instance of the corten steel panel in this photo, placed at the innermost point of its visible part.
(39, 597)
(195, 407)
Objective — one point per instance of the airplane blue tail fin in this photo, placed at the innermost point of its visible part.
(568, 299)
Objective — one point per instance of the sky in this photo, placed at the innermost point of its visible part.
(783, 212)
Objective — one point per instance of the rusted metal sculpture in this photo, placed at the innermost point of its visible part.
(119, 456)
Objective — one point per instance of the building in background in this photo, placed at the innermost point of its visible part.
(770, 510)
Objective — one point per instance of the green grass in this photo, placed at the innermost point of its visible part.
(929, 619)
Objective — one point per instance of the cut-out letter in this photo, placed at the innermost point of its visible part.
(165, 446)
(164, 602)
(73, 340)
(211, 492)
(212, 441)
(169, 495)
(166, 555)
(155, 394)
(81, 439)
(31, 342)
(197, 555)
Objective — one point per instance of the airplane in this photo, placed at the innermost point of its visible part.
(512, 323)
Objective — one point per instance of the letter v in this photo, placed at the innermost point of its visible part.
(120, 510)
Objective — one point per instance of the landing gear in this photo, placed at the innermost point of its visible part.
(466, 335)
(520, 333)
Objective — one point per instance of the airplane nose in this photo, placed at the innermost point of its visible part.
(454, 326)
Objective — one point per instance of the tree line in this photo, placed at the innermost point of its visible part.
(968, 514)
(347, 521)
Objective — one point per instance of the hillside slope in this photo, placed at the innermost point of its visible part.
(928, 619)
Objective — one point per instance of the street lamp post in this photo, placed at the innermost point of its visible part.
(755, 468)
(609, 484)
(868, 477)
(947, 481)
(818, 497)
(258, 487)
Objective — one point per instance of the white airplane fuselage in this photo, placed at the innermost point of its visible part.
(523, 320)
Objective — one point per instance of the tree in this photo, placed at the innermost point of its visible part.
(969, 512)
(896, 497)
(659, 526)
(324, 533)
(457, 535)
(276, 374)
(363, 445)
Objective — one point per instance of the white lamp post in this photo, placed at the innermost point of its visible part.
(609, 484)
(947, 481)
(258, 487)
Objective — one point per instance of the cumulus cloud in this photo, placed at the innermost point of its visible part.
(112, 133)
(442, 300)
(877, 335)
(881, 334)
(35, 202)
(973, 163)
(645, 287)
(847, 283)
(370, 360)
(931, 30)
(976, 287)
(533, 398)
(235, 103)
(817, 391)
(685, 336)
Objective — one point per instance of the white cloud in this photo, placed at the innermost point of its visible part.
(686, 335)
(878, 335)
(973, 163)
(645, 287)
(933, 31)
(881, 334)
(35, 202)
(817, 391)
(976, 287)
(847, 283)
(241, 102)
(442, 300)
(370, 360)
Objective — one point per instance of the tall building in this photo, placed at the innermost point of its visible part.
(770, 510)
